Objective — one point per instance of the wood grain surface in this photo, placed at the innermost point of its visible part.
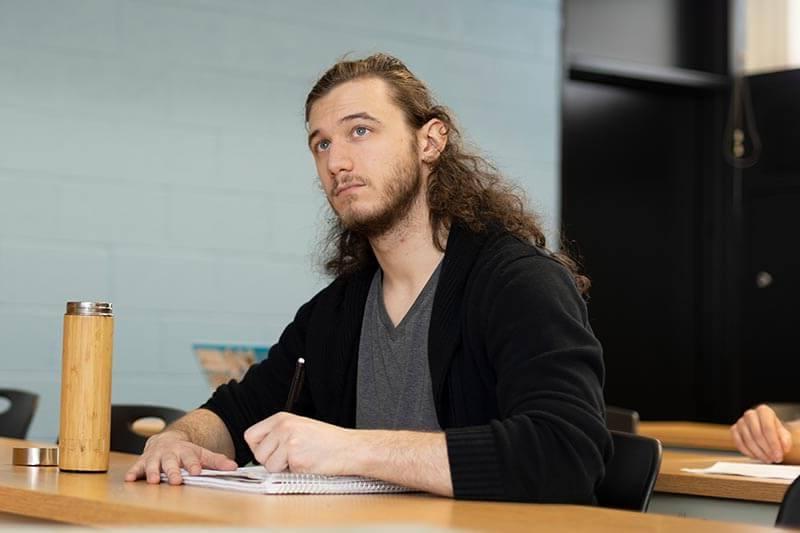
(689, 435)
(672, 480)
(85, 423)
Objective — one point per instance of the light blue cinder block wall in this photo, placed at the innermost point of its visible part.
(152, 154)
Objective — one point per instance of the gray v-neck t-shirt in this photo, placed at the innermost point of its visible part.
(394, 389)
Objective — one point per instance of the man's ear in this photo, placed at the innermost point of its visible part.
(432, 137)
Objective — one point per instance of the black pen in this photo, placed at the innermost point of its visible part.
(297, 384)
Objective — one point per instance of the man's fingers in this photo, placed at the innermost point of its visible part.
(278, 460)
(769, 430)
(265, 448)
(152, 469)
(191, 461)
(170, 466)
(258, 431)
(136, 471)
(750, 442)
(170, 451)
(216, 461)
(756, 433)
(737, 440)
(740, 436)
(745, 445)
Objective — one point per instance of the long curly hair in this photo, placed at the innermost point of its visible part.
(463, 186)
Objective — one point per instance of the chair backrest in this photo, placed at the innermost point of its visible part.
(123, 437)
(789, 512)
(631, 473)
(15, 421)
(619, 419)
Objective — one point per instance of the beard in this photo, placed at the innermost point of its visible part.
(402, 189)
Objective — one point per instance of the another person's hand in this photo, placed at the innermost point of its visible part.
(170, 451)
(761, 435)
(301, 444)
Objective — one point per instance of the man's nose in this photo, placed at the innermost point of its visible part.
(339, 160)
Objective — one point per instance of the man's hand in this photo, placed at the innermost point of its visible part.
(300, 444)
(761, 435)
(170, 450)
(415, 459)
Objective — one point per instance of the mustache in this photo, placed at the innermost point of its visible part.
(346, 181)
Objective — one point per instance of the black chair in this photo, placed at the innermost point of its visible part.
(15, 421)
(789, 512)
(631, 474)
(619, 419)
(123, 437)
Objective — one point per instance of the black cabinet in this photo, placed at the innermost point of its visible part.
(643, 194)
(770, 258)
(632, 170)
(695, 264)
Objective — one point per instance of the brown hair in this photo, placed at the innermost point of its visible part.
(462, 186)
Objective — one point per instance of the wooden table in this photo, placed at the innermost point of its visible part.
(714, 496)
(698, 445)
(672, 480)
(105, 499)
(693, 435)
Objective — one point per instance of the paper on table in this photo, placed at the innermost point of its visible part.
(257, 480)
(757, 470)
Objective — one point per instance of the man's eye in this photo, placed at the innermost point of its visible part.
(360, 131)
(323, 145)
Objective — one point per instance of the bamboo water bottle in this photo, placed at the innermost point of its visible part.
(85, 433)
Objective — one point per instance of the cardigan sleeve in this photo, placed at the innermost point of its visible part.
(549, 442)
(265, 387)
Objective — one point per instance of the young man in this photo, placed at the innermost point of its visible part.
(452, 353)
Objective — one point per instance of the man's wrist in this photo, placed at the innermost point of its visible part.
(403, 457)
(361, 451)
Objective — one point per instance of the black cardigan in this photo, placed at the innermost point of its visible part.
(517, 373)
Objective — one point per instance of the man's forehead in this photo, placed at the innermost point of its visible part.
(359, 96)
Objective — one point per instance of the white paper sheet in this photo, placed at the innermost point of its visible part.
(756, 470)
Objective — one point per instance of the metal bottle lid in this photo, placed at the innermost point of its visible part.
(35, 456)
(89, 309)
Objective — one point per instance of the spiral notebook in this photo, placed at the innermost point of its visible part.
(257, 480)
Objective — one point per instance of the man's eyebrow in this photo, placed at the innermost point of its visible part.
(353, 116)
(362, 115)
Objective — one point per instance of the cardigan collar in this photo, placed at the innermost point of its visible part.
(444, 334)
(463, 246)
